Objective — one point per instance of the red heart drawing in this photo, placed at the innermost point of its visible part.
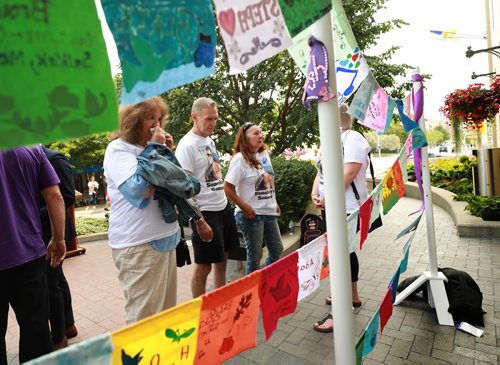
(227, 21)
(355, 57)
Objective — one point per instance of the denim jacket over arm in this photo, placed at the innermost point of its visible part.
(173, 185)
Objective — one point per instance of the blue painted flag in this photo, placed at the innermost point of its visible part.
(371, 334)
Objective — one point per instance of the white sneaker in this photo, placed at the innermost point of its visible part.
(93, 207)
(87, 208)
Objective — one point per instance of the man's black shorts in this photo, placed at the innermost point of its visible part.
(225, 237)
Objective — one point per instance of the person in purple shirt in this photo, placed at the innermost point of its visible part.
(24, 174)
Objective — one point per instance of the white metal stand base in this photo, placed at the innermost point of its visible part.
(437, 295)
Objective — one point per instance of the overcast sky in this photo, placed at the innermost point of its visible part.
(443, 58)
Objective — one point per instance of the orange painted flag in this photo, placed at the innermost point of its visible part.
(278, 291)
(325, 264)
(398, 178)
(228, 320)
(169, 336)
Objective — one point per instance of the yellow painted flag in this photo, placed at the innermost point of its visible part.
(169, 337)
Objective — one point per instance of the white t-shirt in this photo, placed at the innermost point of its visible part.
(128, 225)
(255, 186)
(356, 149)
(94, 185)
(198, 155)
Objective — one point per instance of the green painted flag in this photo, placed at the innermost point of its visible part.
(55, 73)
(300, 14)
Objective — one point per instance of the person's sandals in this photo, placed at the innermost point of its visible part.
(317, 325)
(354, 303)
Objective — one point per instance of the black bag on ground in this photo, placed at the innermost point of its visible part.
(464, 296)
(311, 226)
(182, 250)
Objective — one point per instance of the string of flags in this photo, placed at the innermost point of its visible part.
(223, 323)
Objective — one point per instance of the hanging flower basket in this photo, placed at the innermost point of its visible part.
(470, 108)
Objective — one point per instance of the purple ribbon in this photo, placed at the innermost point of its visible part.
(317, 84)
(418, 107)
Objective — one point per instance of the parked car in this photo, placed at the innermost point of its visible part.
(443, 149)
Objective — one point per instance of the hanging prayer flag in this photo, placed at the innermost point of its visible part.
(359, 349)
(412, 227)
(352, 229)
(325, 264)
(362, 98)
(171, 334)
(418, 139)
(350, 70)
(253, 31)
(371, 334)
(317, 84)
(298, 14)
(56, 78)
(404, 262)
(376, 113)
(389, 192)
(228, 320)
(394, 284)
(364, 220)
(390, 112)
(385, 309)
(404, 164)
(93, 351)
(309, 266)
(161, 44)
(376, 202)
(408, 146)
(398, 178)
(408, 123)
(278, 291)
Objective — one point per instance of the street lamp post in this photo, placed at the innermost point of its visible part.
(493, 50)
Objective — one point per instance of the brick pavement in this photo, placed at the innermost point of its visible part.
(412, 335)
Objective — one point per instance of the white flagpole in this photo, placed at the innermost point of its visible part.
(333, 172)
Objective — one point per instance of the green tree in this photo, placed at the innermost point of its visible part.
(270, 93)
(440, 128)
(435, 137)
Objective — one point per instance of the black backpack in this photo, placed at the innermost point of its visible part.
(311, 227)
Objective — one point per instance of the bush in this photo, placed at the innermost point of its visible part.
(293, 183)
(87, 225)
(486, 207)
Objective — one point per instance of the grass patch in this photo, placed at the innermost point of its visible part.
(87, 225)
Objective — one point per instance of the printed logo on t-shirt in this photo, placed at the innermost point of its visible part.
(264, 186)
(213, 170)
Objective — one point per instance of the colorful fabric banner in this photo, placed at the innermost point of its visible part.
(404, 262)
(94, 351)
(377, 111)
(298, 14)
(418, 139)
(278, 291)
(364, 220)
(394, 284)
(325, 264)
(404, 164)
(376, 203)
(359, 349)
(56, 78)
(408, 145)
(252, 31)
(412, 227)
(309, 266)
(385, 310)
(228, 320)
(352, 227)
(389, 192)
(161, 44)
(371, 334)
(398, 179)
(171, 334)
(362, 98)
(350, 70)
(408, 123)
(317, 84)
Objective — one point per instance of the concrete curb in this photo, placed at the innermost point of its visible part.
(467, 224)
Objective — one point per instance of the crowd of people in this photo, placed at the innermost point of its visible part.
(149, 187)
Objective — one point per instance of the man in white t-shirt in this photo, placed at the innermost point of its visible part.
(93, 189)
(197, 154)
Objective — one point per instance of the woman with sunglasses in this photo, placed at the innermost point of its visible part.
(249, 184)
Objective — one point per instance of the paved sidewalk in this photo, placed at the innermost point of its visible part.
(412, 335)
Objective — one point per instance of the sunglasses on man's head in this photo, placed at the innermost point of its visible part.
(246, 126)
